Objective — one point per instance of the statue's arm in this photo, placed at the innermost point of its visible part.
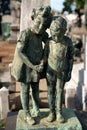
(71, 53)
(70, 60)
(46, 51)
(20, 48)
(24, 57)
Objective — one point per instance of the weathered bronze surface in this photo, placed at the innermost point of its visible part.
(72, 123)
(59, 55)
(28, 59)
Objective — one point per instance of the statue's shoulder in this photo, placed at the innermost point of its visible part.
(24, 34)
(26, 31)
(68, 40)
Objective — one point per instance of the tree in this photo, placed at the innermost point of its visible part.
(68, 5)
(78, 5)
(4, 7)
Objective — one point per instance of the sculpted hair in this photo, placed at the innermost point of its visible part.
(58, 20)
(45, 12)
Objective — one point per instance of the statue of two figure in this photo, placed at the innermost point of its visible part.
(30, 58)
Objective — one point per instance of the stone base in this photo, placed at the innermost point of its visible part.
(11, 121)
(72, 123)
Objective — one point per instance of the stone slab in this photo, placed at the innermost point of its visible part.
(72, 122)
(11, 121)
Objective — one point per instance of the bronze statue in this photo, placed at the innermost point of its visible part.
(59, 55)
(28, 59)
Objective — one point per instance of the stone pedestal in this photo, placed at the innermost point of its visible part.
(72, 123)
(11, 121)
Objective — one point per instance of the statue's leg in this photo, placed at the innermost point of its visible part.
(59, 97)
(51, 100)
(25, 103)
(35, 98)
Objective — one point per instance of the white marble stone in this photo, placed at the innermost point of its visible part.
(74, 88)
(4, 102)
(70, 95)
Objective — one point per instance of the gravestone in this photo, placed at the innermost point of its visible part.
(70, 96)
(15, 25)
(4, 103)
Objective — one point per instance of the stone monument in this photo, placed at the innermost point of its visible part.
(15, 24)
(41, 121)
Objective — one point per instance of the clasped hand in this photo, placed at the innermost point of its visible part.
(39, 68)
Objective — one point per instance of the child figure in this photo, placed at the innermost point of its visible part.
(28, 59)
(59, 54)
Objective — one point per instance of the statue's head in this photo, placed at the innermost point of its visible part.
(41, 17)
(58, 28)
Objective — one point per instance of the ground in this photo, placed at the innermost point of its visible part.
(82, 116)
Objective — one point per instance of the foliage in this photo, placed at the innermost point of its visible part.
(68, 4)
(5, 7)
(79, 3)
(53, 12)
(2, 123)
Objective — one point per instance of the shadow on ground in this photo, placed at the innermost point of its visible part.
(82, 116)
